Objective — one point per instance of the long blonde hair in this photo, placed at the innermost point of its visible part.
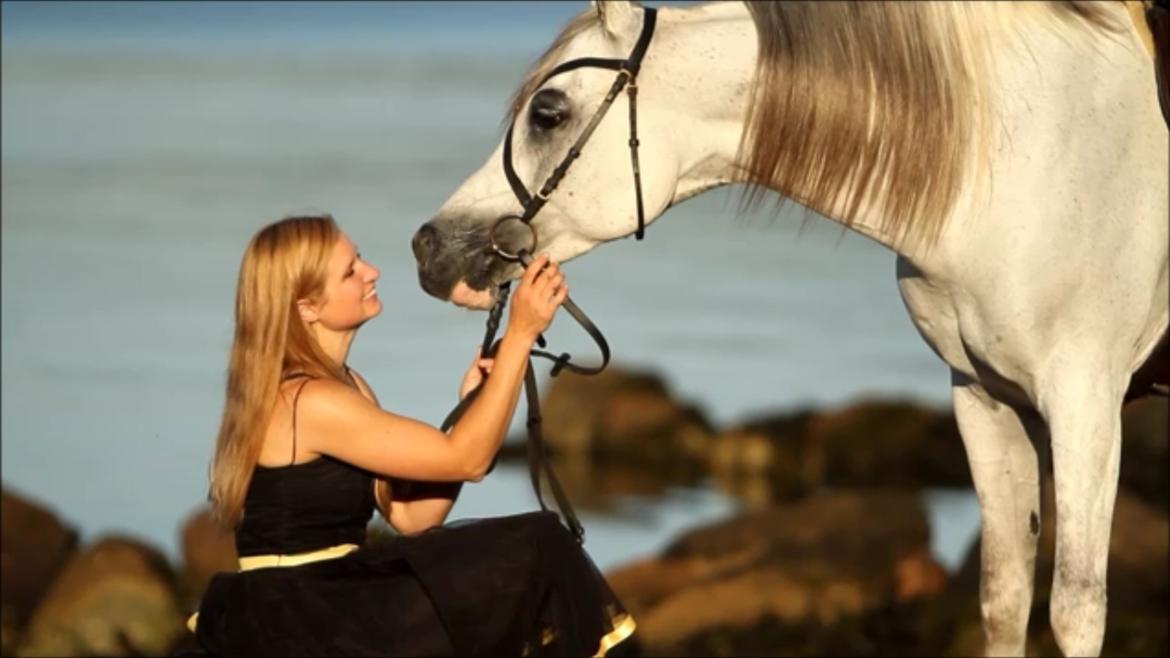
(284, 262)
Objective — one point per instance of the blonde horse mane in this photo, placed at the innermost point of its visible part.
(920, 69)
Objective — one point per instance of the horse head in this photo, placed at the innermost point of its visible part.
(595, 201)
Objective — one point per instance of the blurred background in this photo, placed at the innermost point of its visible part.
(758, 357)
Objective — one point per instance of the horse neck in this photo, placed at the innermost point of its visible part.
(718, 37)
(718, 44)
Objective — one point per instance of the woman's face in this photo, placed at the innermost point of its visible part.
(350, 296)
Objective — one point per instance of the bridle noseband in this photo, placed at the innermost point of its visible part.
(626, 79)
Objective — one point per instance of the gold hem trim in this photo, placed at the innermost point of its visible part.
(622, 630)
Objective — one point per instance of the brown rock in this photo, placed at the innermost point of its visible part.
(830, 557)
(117, 597)
(1145, 449)
(919, 575)
(869, 443)
(622, 415)
(34, 547)
(772, 451)
(573, 404)
(10, 631)
(207, 549)
(890, 444)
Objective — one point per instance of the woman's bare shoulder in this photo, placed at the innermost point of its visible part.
(363, 386)
(324, 398)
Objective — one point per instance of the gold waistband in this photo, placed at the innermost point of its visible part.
(261, 561)
(250, 562)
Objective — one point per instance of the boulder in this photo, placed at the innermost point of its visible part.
(830, 557)
(207, 549)
(117, 597)
(767, 459)
(623, 415)
(1145, 449)
(868, 443)
(34, 547)
(890, 443)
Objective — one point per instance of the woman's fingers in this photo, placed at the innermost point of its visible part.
(542, 289)
(559, 296)
(534, 268)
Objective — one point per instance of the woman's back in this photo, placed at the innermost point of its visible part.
(299, 507)
(304, 507)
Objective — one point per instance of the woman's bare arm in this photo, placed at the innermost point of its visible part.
(338, 421)
(410, 507)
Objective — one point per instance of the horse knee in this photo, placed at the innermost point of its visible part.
(1005, 604)
(1005, 618)
(1077, 613)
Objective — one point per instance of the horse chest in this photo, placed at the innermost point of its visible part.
(952, 329)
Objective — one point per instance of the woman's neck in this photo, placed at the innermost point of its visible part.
(335, 344)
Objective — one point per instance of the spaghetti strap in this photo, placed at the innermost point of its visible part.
(296, 396)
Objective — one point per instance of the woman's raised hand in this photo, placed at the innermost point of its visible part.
(542, 289)
(479, 369)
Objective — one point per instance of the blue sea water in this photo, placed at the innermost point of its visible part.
(143, 143)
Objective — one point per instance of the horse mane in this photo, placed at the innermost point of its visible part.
(920, 68)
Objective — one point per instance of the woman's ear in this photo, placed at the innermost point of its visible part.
(307, 311)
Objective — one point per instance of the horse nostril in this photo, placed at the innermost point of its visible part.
(424, 242)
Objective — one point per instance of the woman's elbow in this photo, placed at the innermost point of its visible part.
(476, 473)
(408, 527)
(410, 531)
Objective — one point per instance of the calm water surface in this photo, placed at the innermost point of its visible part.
(144, 143)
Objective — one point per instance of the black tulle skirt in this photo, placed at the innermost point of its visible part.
(510, 586)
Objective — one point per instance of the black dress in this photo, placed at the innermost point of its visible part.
(509, 586)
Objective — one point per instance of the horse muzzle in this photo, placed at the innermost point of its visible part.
(462, 261)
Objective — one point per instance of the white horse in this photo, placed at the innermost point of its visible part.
(1011, 154)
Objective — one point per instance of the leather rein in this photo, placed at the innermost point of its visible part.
(626, 79)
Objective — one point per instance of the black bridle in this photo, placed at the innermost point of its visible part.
(626, 79)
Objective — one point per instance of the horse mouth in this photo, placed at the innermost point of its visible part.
(472, 290)
(464, 296)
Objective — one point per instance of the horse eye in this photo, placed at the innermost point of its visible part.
(549, 108)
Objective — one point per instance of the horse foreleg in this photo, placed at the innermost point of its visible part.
(1005, 470)
(1082, 408)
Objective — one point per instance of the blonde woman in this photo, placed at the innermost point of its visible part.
(305, 454)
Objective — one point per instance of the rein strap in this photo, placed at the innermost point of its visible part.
(626, 79)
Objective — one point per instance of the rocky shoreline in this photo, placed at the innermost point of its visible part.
(831, 554)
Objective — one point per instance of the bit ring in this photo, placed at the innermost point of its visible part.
(505, 253)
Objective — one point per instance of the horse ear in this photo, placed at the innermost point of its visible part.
(618, 17)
